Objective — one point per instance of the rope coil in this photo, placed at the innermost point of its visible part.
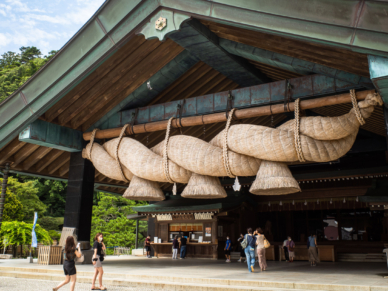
(225, 157)
(117, 152)
(91, 143)
(360, 119)
(165, 156)
(298, 145)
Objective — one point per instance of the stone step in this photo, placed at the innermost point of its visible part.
(153, 284)
(372, 258)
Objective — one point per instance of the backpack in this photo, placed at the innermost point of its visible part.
(244, 243)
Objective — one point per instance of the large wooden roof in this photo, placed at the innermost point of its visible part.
(136, 59)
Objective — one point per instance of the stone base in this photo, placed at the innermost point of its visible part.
(5, 256)
(138, 252)
(88, 255)
(30, 260)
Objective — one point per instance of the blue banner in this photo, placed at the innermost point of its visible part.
(34, 242)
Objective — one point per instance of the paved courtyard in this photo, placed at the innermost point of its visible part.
(190, 270)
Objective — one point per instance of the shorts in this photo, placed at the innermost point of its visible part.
(69, 268)
(148, 248)
(227, 252)
(98, 264)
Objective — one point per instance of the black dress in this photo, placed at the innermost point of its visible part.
(69, 265)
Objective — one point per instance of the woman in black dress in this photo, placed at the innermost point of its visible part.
(98, 257)
(71, 252)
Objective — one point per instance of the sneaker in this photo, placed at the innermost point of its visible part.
(228, 261)
(239, 261)
(252, 269)
(245, 261)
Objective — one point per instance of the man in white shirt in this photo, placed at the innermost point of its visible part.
(285, 248)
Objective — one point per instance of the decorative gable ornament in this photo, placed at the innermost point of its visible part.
(160, 23)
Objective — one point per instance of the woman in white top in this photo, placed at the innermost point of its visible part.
(261, 249)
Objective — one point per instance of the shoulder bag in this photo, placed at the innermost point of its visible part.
(244, 243)
(266, 243)
(80, 259)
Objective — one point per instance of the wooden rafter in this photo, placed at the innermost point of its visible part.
(40, 153)
(13, 147)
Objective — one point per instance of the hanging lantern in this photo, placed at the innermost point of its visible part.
(280, 203)
(293, 202)
(318, 201)
(305, 202)
(357, 199)
(331, 200)
(344, 201)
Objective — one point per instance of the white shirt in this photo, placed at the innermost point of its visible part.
(285, 243)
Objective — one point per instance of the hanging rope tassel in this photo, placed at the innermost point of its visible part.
(117, 153)
(360, 119)
(174, 189)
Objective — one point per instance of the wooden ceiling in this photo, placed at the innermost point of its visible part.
(338, 58)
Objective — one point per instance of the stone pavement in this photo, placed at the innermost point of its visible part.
(15, 284)
(297, 275)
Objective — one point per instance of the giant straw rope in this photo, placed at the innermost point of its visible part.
(239, 150)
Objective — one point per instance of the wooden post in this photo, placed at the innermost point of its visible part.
(3, 192)
(137, 233)
(221, 117)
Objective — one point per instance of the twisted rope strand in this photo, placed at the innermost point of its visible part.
(360, 119)
(117, 152)
(225, 145)
(91, 143)
(165, 156)
(298, 146)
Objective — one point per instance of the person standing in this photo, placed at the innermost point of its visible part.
(147, 245)
(285, 248)
(175, 246)
(312, 246)
(71, 252)
(183, 247)
(250, 250)
(98, 257)
(261, 249)
(242, 252)
(228, 247)
(291, 249)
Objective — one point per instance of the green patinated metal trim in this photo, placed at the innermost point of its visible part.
(156, 208)
(116, 20)
(52, 135)
(378, 68)
(291, 64)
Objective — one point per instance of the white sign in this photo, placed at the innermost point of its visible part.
(203, 216)
(200, 239)
(156, 239)
(164, 217)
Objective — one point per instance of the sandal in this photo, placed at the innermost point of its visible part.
(102, 288)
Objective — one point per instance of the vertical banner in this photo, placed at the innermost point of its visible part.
(34, 242)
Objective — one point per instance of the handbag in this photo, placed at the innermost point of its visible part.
(80, 259)
(244, 243)
(266, 243)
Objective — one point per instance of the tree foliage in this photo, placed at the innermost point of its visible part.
(13, 208)
(17, 68)
(110, 218)
(19, 233)
(27, 194)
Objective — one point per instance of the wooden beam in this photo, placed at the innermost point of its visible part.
(239, 114)
(204, 44)
(46, 160)
(63, 170)
(23, 154)
(59, 162)
(10, 149)
(378, 68)
(35, 157)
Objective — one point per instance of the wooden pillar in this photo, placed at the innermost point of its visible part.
(79, 198)
(137, 234)
(3, 192)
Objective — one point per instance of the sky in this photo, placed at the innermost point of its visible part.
(46, 24)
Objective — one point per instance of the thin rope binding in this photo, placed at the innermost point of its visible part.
(353, 96)
(91, 143)
(225, 145)
(117, 152)
(165, 156)
(298, 145)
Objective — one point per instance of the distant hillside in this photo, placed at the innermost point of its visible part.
(17, 68)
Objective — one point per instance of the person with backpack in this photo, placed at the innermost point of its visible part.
(248, 244)
(242, 251)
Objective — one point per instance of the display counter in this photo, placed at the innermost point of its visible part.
(193, 250)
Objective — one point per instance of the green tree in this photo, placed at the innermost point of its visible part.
(29, 53)
(110, 218)
(20, 233)
(13, 208)
(26, 193)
